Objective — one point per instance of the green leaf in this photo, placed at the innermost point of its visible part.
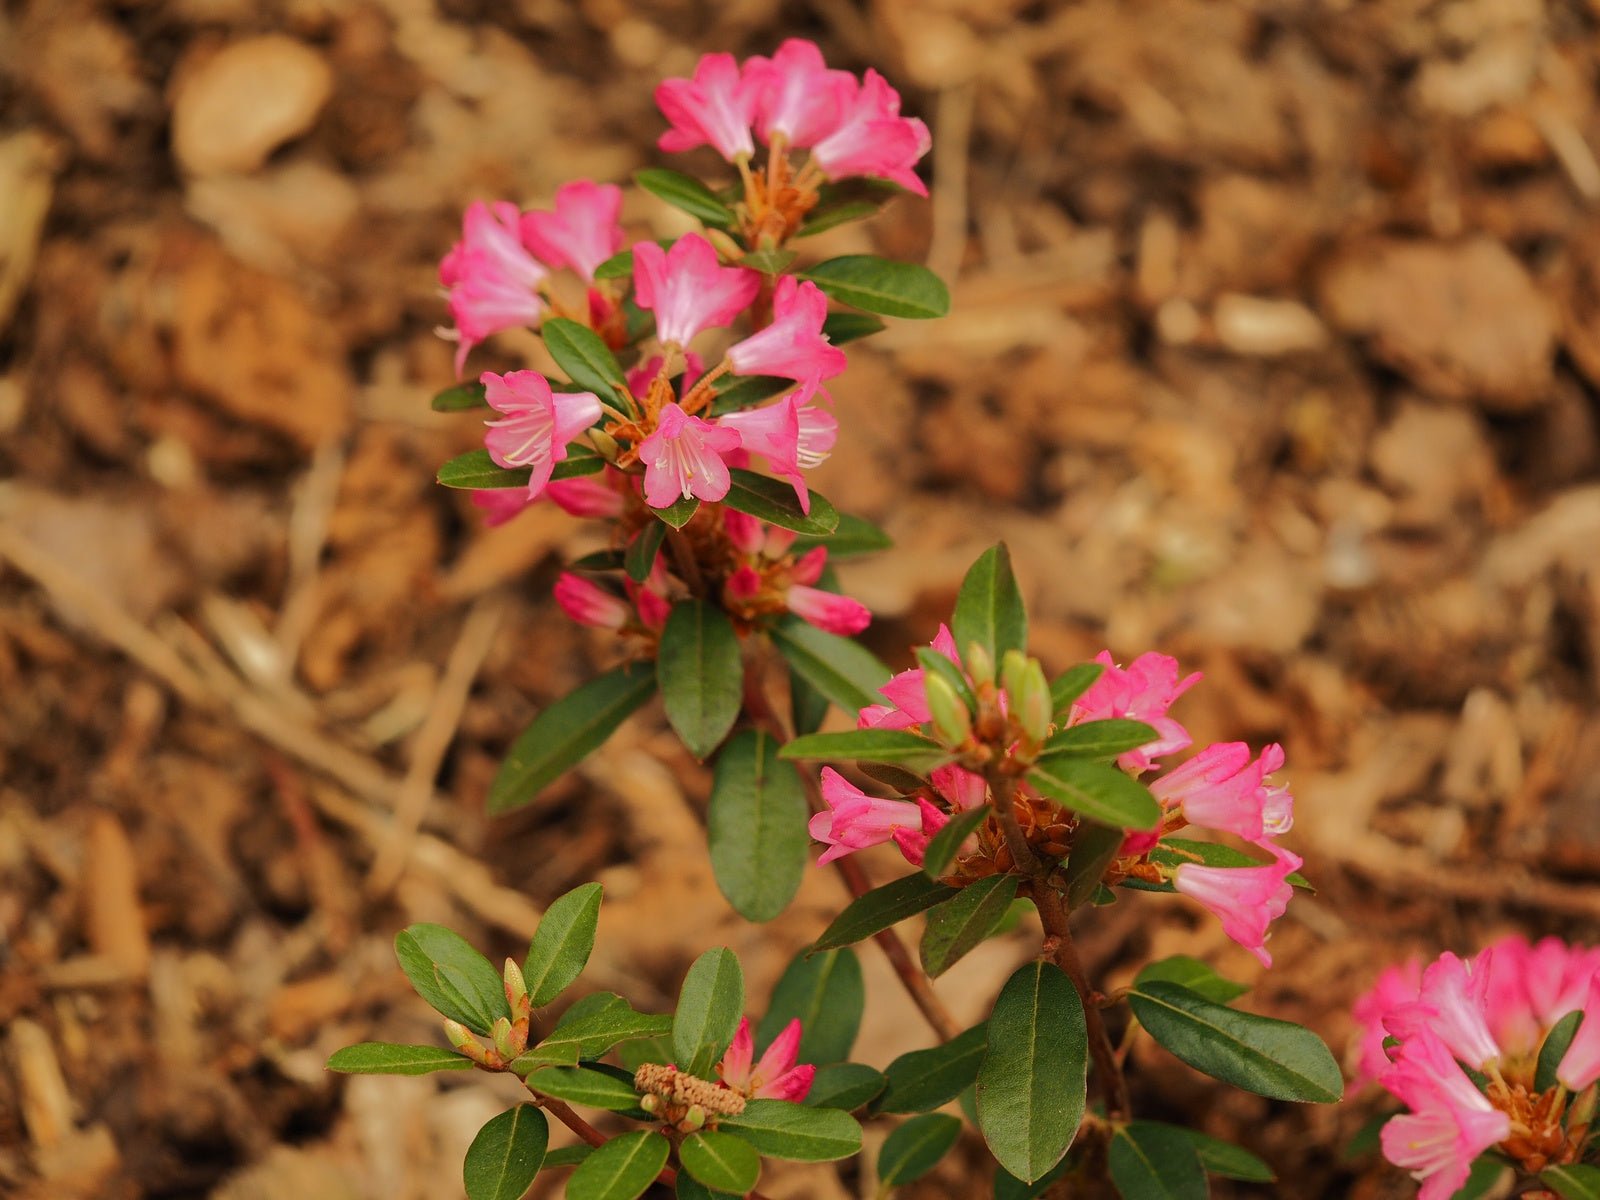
(1099, 739)
(825, 993)
(636, 1053)
(566, 1156)
(640, 556)
(584, 356)
(807, 706)
(844, 1085)
(679, 513)
(825, 218)
(741, 391)
(618, 266)
(1195, 975)
(880, 285)
(586, 1086)
(959, 924)
(881, 908)
(599, 560)
(1094, 846)
(1098, 791)
(1008, 1187)
(756, 826)
(846, 672)
(475, 470)
(621, 1169)
(460, 397)
(451, 976)
(1259, 1054)
(797, 1132)
(562, 943)
(1155, 1162)
(701, 674)
(1486, 1176)
(898, 746)
(768, 262)
(690, 1188)
(567, 731)
(710, 1004)
(587, 1030)
(916, 1147)
(843, 327)
(387, 1058)
(1072, 683)
(721, 1161)
(989, 607)
(853, 537)
(689, 194)
(773, 501)
(941, 851)
(1032, 1084)
(932, 662)
(506, 1154)
(927, 1079)
(1554, 1048)
(1575, 1182)
(1174, 852)
(1225, 1160)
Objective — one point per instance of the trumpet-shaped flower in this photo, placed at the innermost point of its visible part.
(594, 497)
(794, 434)
(793, 346)
(776, 1075)
(854, 820)
(872, 138)
(1141, 691)
(499, 505)
(798, 97)
(582, 232)
(1452, 1004)
(687, 289)
(491, 277)
(1221, 788)
(1245, 899)
(1450, 1123)
(1580, 1065)
(716, 107)
(683, 458)
(536, 423)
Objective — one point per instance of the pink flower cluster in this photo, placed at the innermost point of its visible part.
(794, 100)
(766, 574)
(773, 1076)
(1420, 1027)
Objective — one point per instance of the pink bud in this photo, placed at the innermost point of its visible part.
(827, 610)
(854, 820)
(587, 603)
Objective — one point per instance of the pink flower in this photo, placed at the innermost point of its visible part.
(797, 95)
(872, 138)
(744, 531)
(1557, 977)
(1580, 1065)
(828, 611)
(582, 232)
(1221, 788)
(687, 289)
(537, 423)
(1395, 987)
(793, 346)
(587, 496)
(775, 1076)
(1450, 1124)
(855, 820)
(683, 458)
(913, 843)
(1245, 899)
(714, 108)
(794, 434)
(964, 789)
(1452, 1005)
(491, 277)
(1142, 691)
(587, 603)
(499, 505)
(907, 694)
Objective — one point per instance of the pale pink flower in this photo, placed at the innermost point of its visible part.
(587, 603)
(797, 94)
(1452, 1005)
(536, 424)
(793, 346)
(687, 289)
(582, 232)
(588, 496)
(683, 458)
(1450, 1122)
(1245, 899)
(1395, 987)
(1220, 788)
(1580, 1065)
(716, 108)
(855, 820)
(499, 505)
(795, 434)
(828, 611)
(913, 843)
(775, 1076)
(872, 138)
(492, 278)
(1141, 691)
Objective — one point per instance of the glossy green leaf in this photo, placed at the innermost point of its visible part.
(562, 943)
(1094, 847)
(701, 674)
(1033, 1082)
(506, 1154)
(958, 925)
(451, 976)
(1195, 975)
(843, 327)
(1573, 1182)
(756, 826)
(584, 356)
(679, 513)
(1096, 790)
(830, 217)
(989, 607)
(618, 266)
(566, 732)
(1554, 1048)
(1099, 739)
(844, 671)
(387, 1058)
(599, 560)
(898, 746)
(916, 1147)
(1008, 1187)
(586, 1086)
(880, 285)
(475, 470)
(588, 1032)
(621, 1169)
(768, 262)
(566, 1156)
(853, 537)
(1155, 1162)
(723, 1161)
(825, 993)
(797, 1132)
(1072, 683)
(1259, 1054)
(1225, 1160)
(927, 1079)
(641, 554)
(945, 844)
(710, 1004)
(881, 908)
(845, 1085)
(686, 193)
(462, 396)
(774, 501)
(741, 391)
(690, 1188)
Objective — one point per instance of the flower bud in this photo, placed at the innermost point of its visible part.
(979, 664)
(459, 1035)
(950, 716)
(693, 1119)
(650, 1103)
(1013, 667)
(727, 249)
(1583, 1108)
(604, 445)
(1034, 706)
(516, 986)
(504, 1040)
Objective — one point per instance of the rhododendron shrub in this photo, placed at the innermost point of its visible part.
(690, 405)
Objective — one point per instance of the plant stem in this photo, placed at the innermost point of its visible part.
(1005, 791)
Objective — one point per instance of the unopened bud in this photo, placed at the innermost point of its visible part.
(1013, 668)
(604, 444)
(1034, 706)
(727, 249)
(650, 1103)
(979, 663)
(516, 986)
(459, 1035)
(1583, 1108)
(504, 1040)
(950, 716)
(693, 1119)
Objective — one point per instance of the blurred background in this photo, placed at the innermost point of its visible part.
(1275, 345)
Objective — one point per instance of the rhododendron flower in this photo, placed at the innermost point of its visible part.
(537, 423)
(828, 611)
(1580, 1065)
(854, 820)
(587, 603)
(793, 346)
(913, 843)
(1245, 899)
(687, 289)
(775, 1075)
(1395, 986)
(907, 693)
(798, 97)
(716, 108)
(491, 277)
(582, 232)
(588, 496)
(794, 434)
(1451, 1122)
(964, 789)
(872, 138)
(683, 458)
(1452, 1006)
(499, 505)
(1141, 691)
(1221, 788)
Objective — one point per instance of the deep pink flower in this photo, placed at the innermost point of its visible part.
(683, 457)
(775, 1076)
(1245, 899)
(1580, 1065)
(907, 693)
(1450, 1122)
(964, 789)
(795, 434)
(872, 138)
(1220, 788)
(582, 232)
(828, 611)
(687, 289)
(1395, 987)
(793, 346)
(716, 108)
(1141, 691)
(499, 505)
(1558, 977)
(1452, 1005)
(855, 820)
(491, 277)
(913, 843)
(797, 94)
(536, 424)
(587, 603)
(587, 496)
(744, 531)
(809, 566)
